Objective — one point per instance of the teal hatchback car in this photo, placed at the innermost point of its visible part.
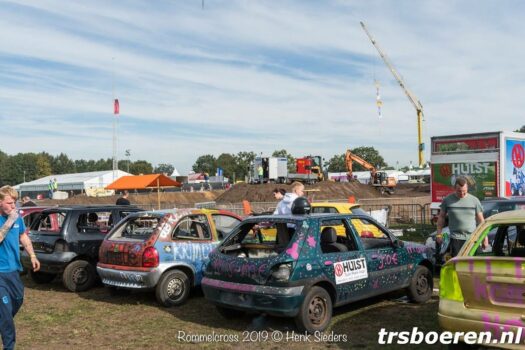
(301, 266)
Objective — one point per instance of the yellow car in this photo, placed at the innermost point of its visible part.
(482, 290)
(364, 229)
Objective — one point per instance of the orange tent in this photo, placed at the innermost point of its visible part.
(140, 182)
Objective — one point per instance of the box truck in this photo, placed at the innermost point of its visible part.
(492, 163)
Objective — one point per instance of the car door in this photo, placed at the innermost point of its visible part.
(387, 263)
(342, 261)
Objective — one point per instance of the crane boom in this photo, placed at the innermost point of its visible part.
(415, 101)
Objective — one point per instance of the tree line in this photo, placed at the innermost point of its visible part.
(237, 166)
(25, 167)
(15, 169)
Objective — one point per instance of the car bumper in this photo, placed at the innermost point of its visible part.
(453, 316)
(130, 279)
(278, 301)
(49, 263)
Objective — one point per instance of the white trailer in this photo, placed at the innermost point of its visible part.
(274, 169)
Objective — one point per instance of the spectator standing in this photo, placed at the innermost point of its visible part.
(27, 202)
(285, 205)
(12, 234)
(50, 188)
(123, 200)
(464, 214)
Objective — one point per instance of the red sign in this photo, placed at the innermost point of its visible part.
(460, 145)
(445, 170)
(338, 270)
(518, 155)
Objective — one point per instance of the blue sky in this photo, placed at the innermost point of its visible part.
(253, 76)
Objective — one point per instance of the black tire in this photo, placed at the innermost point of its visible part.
(173, 288)
(315, 313)
(79, 276)
(41, 277)
(421, 285)
(228, 313)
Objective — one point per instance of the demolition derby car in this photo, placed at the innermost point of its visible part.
(306, 267)
(162, 250)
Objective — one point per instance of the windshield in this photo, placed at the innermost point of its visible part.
(135, 228)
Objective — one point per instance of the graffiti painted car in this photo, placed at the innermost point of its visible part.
(162, 250)
(308, 268)
(66, 241)
(484, 291)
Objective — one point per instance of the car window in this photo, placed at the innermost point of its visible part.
(371, 235)
(136, 228)
(224, 224)
(93, 222)
(336, 236)
(321, 210)
(504, 240)
(28, 219)
(192, 227)
(49, 222)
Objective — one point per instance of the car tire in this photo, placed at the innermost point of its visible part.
(79, 276)
(173, 288)
(42, 277)
(421, 285)
(315, 312)
(228, 313)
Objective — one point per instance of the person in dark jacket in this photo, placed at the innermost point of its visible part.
(123, 200)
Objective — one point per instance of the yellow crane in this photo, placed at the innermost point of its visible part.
(415, 101)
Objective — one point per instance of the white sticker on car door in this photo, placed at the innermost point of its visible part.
(350, 270)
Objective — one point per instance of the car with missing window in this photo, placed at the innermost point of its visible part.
(308, 268)
(483, 290)
(164, 251)
(490, 207)
(66, 242)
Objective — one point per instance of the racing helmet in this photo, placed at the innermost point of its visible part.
(301, 206)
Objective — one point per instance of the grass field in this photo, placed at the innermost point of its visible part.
(53, 318)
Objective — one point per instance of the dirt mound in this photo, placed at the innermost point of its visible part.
(320, 191)
(143, 199)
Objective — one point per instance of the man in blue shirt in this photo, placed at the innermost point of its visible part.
(12, 233)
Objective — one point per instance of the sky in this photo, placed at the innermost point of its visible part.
(200, 77)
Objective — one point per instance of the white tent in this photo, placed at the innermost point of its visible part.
(72, 182)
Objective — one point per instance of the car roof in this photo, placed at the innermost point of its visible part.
(511, 216)
(304, 216)
(335, 204)
(93, 207)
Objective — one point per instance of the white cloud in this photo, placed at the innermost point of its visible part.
(256, 76)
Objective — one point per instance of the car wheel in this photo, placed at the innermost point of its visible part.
(79, 276)
(228, 313)
(315, 313)
(421, 285)
(42, 277)
(173, 288)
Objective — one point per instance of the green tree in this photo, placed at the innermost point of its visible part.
(164, 168)
(140, 167)
(243, 162)
(61, 164)
(522, 129)
(290, 159)
(371, 155)
(336, 164)
(43, 166)
(205, 164)
(228, 163)
(103, 164)
(3, 167)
